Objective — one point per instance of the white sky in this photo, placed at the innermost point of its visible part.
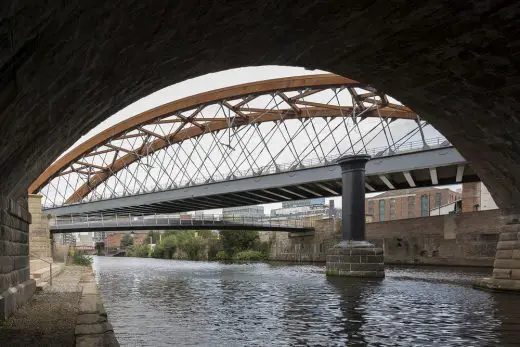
(202, 84)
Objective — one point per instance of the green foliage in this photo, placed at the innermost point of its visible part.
(80, 258)
(192, 246)
(249, 255)
(214, 247)
(140, 251)
(154, 235)
(168, 246)
(126, 241)
(234, 241)
(221, 255)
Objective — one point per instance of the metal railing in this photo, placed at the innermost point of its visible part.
(375, 152)
(99, 220)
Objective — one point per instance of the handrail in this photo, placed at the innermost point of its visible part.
(381, 151)
(50, 265)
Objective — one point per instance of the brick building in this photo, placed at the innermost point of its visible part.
(113, 240)
(408, 203)
(476, 197)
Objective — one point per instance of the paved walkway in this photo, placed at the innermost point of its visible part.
(49, 318)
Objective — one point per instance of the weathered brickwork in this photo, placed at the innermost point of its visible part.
(468, 239)
(39, 234)
(15, 286)
(309, 247)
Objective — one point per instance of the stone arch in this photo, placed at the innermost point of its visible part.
(68, 68)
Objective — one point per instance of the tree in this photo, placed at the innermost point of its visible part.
(126, 241)
(234, 241)
(154, 235)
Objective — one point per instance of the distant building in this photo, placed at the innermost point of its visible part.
(450, 208)
(113, 240)
(311, 208)
(306, 202)
(476, 197)
(256, 211)
(408, 203)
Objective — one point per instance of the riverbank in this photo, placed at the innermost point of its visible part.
(52, 317)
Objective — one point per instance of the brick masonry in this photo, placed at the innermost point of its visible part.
(39, 232)
(469, 239)
(15, 286)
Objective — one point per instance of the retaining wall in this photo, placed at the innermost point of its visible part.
(469, 239)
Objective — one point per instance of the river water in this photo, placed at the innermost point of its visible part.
(152, 302)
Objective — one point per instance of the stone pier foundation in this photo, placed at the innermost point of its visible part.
(39, 232)
(15, 286)
(506, 268)
(354, 256)
(355, 259)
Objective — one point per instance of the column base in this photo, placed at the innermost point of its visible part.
(355, 259)
(506, 269)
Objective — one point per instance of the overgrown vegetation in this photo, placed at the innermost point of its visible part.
(126, 241)
(249, 255)
(201, 245)
(80, 258)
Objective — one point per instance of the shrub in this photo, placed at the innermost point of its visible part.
(249, 255)
(214, 247)
(191, 245)
(222, 255)
(79, 258)
(234, 241)
(140, 251)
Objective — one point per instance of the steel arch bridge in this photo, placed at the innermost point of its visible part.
(248, 130)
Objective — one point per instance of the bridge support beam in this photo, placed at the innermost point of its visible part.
(506, 269)
(354, 256)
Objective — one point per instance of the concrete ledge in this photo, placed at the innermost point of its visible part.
(498, 285)
(14, 297)
(92, 326)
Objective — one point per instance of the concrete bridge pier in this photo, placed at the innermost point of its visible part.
(506, 268)
(354, 256)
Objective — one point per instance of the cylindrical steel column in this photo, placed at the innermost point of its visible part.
(353, 197)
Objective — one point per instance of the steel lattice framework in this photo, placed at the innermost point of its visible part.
(241, 131)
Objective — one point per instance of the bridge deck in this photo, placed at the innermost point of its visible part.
(439, 166)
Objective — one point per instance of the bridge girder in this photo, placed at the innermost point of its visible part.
(188, 122)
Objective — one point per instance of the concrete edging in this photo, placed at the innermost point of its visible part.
(92, 326)
(16, 296)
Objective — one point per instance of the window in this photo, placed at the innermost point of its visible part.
(371, 207)
(411, 206)
(437, 199)
(425, 208)
(392, 209)
(381, 210)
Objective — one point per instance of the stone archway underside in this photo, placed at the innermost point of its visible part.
(63, 70)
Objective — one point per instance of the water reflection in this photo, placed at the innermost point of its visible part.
(163, 303)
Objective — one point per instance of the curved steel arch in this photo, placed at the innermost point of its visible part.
(187, 112)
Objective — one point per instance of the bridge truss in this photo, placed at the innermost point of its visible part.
(242, 131)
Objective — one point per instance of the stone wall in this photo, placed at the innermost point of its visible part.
(39, 234)
(306, 247)
(15, 286)
(468, 239)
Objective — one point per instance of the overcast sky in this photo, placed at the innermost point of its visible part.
(203, 84)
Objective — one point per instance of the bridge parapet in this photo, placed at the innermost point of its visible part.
(112, 222)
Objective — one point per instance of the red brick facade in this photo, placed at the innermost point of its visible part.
(408, 203)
